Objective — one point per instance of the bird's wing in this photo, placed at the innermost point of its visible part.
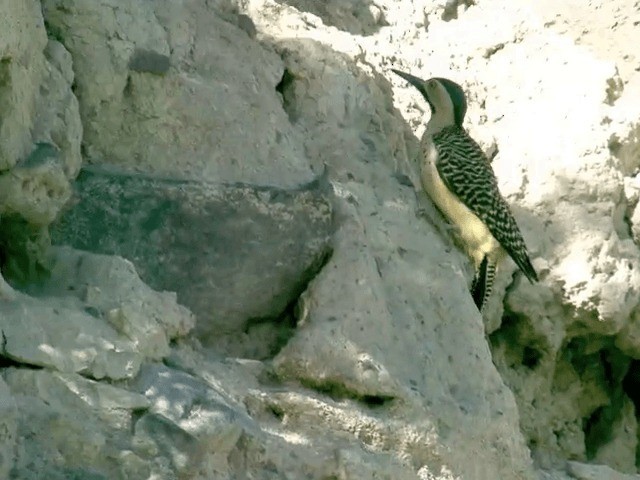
(467, 173)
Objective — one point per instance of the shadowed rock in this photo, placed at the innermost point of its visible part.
(232, 253)
(148, 61)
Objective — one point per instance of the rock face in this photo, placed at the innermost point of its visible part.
(213, 114)
(217, 307)
(40, 133)
(9, 429)
(235, 254)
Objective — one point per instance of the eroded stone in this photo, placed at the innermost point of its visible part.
(233, 253)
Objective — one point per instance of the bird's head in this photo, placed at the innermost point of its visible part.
(445, 97)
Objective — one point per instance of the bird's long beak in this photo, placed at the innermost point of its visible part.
(413, 80)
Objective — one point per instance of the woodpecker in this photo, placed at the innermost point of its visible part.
(457, 175)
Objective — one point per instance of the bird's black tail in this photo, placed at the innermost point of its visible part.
(483, 283)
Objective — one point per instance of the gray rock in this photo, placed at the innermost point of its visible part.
(188, 418)
(388, 324)
(356, 17)
(231, 252)
(52, 472)
(40, 134)
(71, 427)
(8, 429)
(57, 335)
(62, 390)
(216, 116)
(156, 433)
(585, 471)
(38, 108)
(187, 400)
(23, 36)
(42, 154)
(37, 187)
(246, 24)
(109, 288)
(239, 432)
(148, 61)
(58, 114)
(388, 373)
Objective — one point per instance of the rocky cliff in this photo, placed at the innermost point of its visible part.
(214, 267)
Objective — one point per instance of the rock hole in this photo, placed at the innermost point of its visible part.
(631, 386)
(271, 333)
(338, 391)
(492, 50)
(149, 61)
(600, 424)
(8, 362)
(622, 214)
(375, 400)
(284, 88)
(615, 87)
(531, 357)
(514, 336)
(450, 11)
(23, 248)
(5, 74)
(274, 333)
(597, 431)
(284, 83)
(127, 91)
(277, 412)
(54, 32)
(136, 415)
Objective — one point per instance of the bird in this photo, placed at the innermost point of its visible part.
(459, 179)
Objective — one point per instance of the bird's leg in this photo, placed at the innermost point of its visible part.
(479, 285)
(482, 286)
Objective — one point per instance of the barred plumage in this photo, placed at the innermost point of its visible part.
(467, 173)
(459, 179)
